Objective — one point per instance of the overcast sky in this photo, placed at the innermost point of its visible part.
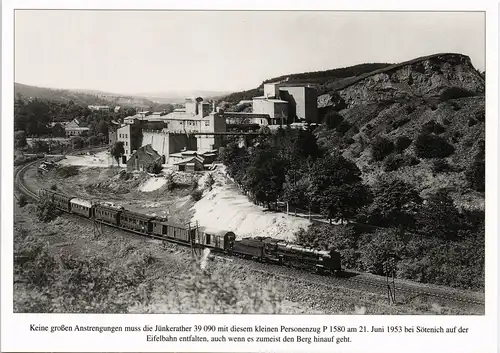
(164, 51)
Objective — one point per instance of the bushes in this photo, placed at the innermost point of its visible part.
(22, 201)
(46, 211)
(155, 168)
(333, 119)
(393, 162)
(196, 194)
(210, 181)
(433, 127)
(475, 175)
(377, 248)
(397, 123)
(440, 165)
(66, 171)
(432, 146)
(480, 115)
(381, 147)
(171, 184)
(457, 264)
(454, 93)
(402, 143)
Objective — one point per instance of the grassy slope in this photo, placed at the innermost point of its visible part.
(167, 264)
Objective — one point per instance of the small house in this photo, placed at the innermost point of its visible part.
(143, 158)
(190, 164)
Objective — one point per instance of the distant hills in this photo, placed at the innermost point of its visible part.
(87, 97)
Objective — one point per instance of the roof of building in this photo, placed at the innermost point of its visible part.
(274, 100)
(149, 151)
(190, 159)
(181, 116)
(77, 128)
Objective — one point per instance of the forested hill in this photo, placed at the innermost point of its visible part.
(83, 98)
(322, 80)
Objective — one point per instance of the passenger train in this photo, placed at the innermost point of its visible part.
(263, 249)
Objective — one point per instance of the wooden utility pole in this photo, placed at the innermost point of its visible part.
(96, 226)
(390, 271)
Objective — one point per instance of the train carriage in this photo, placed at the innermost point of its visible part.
(108, 213)
(136, 221)
(220, 240)
(170, 231)
(81, 207)
(62, 201)
(45, 194)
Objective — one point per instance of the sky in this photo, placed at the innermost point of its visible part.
(134, 52)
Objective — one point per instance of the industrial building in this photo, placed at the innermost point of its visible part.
(302, 100)
(186, 128)
(281, 104)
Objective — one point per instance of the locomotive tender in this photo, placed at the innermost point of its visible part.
(263, 249)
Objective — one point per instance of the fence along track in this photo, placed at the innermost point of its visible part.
(18, 179)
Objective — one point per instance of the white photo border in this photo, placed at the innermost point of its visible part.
(15, 335)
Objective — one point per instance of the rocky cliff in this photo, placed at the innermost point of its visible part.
(440, 94)
(427, 77)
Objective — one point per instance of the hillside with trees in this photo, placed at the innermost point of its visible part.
(85, 98)
(400, 156)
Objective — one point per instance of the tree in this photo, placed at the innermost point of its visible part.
(439, 217)
(20, 139)
(395, 204)
(297, 190)
(58, 130)
(402, 143)
(333, 119)
(93, 140)
(265, 175)
(155, 168)
(102, 128)
(378, 247)
(337, 188)
(475, 173)
(117, 151)
(46, 210)
(381, 147)
(432, 146)
(76, 142)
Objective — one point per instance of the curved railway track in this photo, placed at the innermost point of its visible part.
(355, 283)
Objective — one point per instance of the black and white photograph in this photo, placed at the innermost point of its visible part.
(249, 162)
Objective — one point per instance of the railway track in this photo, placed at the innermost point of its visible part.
(354, 283)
